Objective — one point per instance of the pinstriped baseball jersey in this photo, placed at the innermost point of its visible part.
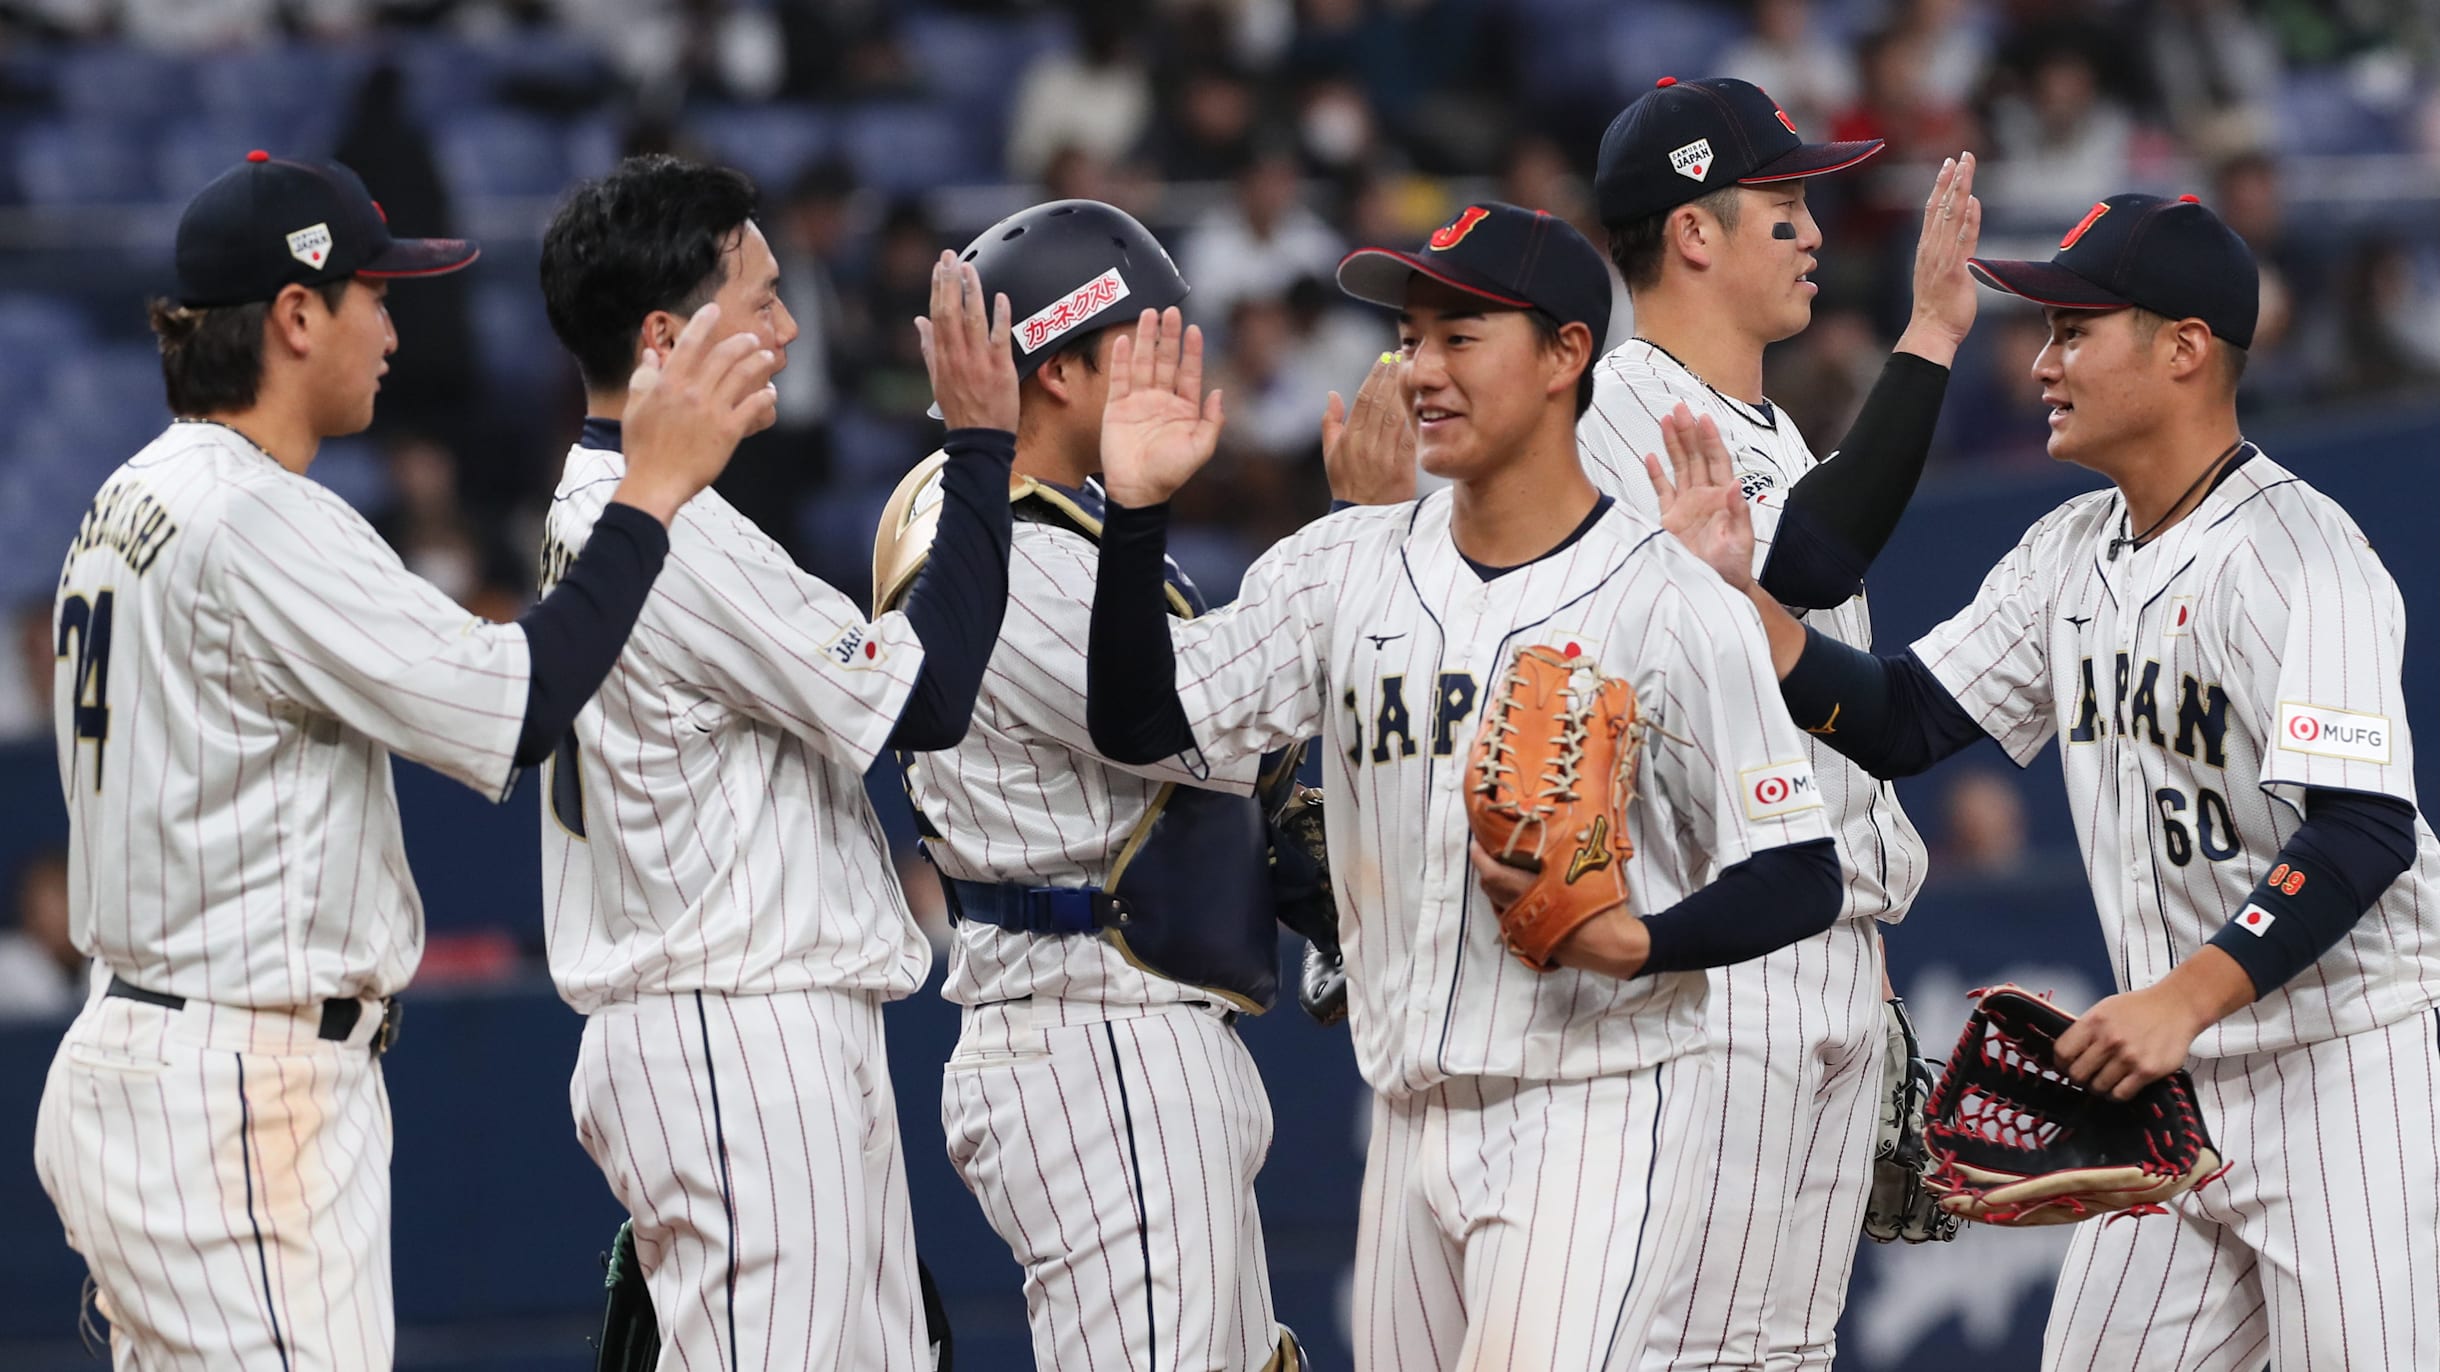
(238, 656)
(1025, 799)
(2198, 685)
(1369, 628)
(1633, 386)
(705, 828)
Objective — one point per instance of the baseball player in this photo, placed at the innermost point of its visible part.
(2217, 649)
(1702, 186)
(1530, 1181)
(239, 656)
(1112, 920)
(718, 893)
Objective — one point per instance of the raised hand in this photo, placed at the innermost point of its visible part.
(965, 349)
(1369, 452)
(686, 412)
(1704, 506)
(1945, 293)
(1158, 427)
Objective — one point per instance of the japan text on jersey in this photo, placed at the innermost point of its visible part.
(2198, 686)
(1370, 629)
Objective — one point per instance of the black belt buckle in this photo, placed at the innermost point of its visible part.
(385, 1038)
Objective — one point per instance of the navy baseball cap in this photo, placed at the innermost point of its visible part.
(1523, 259)
(1685, 139)
(2172, 257)
(269, 222)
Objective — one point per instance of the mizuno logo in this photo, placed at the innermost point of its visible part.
(1595, 854)
(1830, 725)
(2079, 620)
(1384, 640)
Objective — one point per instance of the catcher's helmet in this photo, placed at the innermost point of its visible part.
(1069, 265)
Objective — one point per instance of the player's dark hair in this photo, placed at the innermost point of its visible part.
(1546, 333)
(1636, 246)
(649, 236)
(212, 358)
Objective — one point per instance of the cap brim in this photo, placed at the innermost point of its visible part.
(1379, 275)
(2044, 283)
(409, 257)
(1813, 159)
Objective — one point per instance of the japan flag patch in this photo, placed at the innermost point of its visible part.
(1692, 161)
(2255, 920)
(310, 245)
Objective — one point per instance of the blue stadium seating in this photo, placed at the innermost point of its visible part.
(123, 83)
(84, 162)
(488, 152)
(971, 63)
(301, 84)
(902, 148)
(770, 143)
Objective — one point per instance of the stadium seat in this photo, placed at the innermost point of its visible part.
(903, 148)
(502, 153)
(967, 61)
(123, 84)
(84, 162)
(102, 404)
(307, 84)
(520, 353)
(770, 143)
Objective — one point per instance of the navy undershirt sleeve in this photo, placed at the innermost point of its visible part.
(1131, 703)
(1889, 714)
(961, 595)
(573, 635)
(1840, 514)
(1772, 899)
(2349, 849)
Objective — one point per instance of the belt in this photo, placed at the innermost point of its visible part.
(339, 1017)
(1038, 909)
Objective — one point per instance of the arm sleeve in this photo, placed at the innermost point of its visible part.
(331, 621)
(1132, 710)
(574, 634)
(1993, 657)
(2331, 870)
(1890, 715)
(958, 599)
(1038, 672)
(1772, 899)
(1841, 514)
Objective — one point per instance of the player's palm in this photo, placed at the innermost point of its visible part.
(1704, 505)
(1945, 293)
(1158, 427)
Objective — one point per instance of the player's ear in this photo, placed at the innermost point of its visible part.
(1568, 354)
(659, 332)
(288, 322)
(2188, 347)
(1692, 234)
(1057, 376)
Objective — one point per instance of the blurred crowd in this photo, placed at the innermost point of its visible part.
(1260, 138)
